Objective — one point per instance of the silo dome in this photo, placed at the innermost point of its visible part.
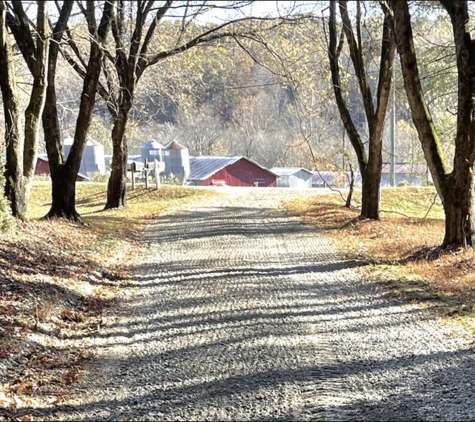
(152, 150)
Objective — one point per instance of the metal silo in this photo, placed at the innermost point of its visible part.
(152, 151)
(177, 161)
(93, 160)
(67, 143)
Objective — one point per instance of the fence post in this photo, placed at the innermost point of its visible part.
(157, 174)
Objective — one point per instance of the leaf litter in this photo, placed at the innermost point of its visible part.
(56, 281)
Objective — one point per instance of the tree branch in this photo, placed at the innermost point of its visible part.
(151, 30)
(357, 59)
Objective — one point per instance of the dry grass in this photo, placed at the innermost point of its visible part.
(402, 249)
(142, 206)
(47, 294)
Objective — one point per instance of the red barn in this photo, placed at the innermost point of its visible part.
(213, 170)
(42, 168)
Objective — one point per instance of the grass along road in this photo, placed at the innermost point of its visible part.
(49, 292)
(402, 248)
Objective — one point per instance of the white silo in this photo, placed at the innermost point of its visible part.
(177, 161)
(93, 160)
(152, 151)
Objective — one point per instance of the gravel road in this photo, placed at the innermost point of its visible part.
(240, 312)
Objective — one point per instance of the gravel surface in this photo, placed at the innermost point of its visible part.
(240, 312)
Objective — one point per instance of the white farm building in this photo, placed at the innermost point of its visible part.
(293, 177)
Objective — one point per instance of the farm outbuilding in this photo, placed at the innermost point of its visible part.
(236, 170)
(322, 179)
(293, 177)
(152, 150)
(93, 160)
(414, 174)
(177, 161)
(42, 168)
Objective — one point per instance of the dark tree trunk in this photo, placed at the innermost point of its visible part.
(14, 181)
(14, 186)
(370, 193)
(352, 188)
(459, 207)
(63, 195)
(32, 124)
(63, 185)
(37, 62)
(117, 186)
(63, 191)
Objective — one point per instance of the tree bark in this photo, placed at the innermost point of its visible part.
(351, 189)
(460, 211)
(64, 175)
(117, 185)
(371, 189)
(22, 142)
(14, 186)
(63, 195)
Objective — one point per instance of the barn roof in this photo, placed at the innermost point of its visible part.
(321, 177)
(204, 166)
(153, 144)
(288, 171)
(136, 157)
(405, 168)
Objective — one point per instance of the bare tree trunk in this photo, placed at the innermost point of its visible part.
(64, 176)
(352, 188)
(459, 213)
(63, 195)
(14, 187)
(370, 195)
(22, 142)
(32, 125)
(39, 70)
(117, 185)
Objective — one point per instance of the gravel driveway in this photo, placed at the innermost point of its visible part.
(240, 312)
